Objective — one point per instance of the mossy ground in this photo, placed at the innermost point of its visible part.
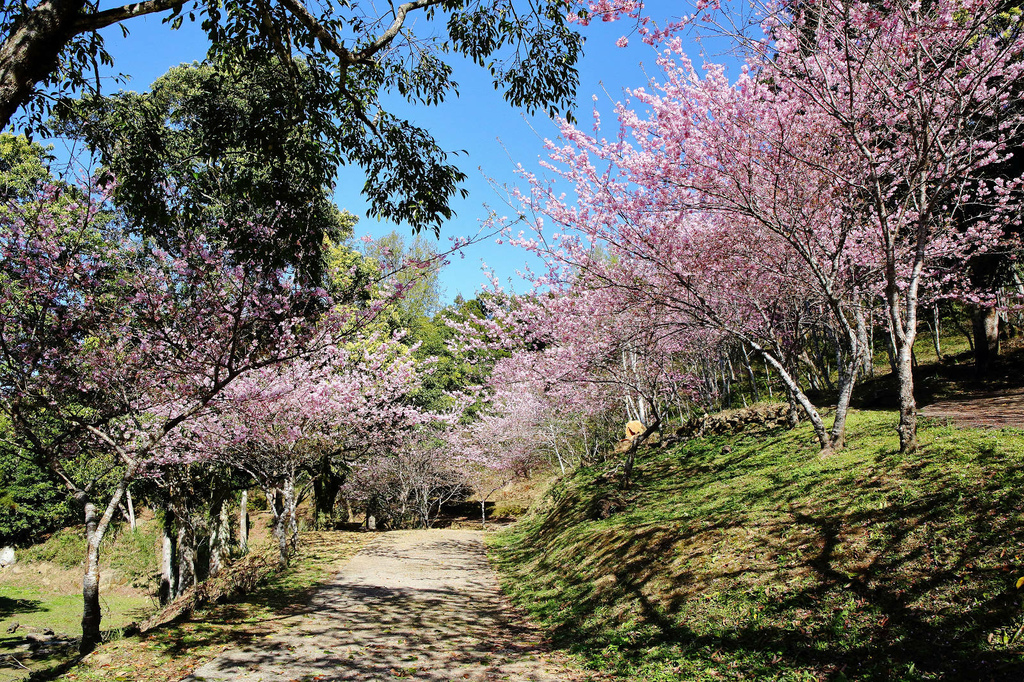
(749, 557)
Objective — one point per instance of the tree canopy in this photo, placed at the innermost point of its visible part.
(337, 62)
(222, 142)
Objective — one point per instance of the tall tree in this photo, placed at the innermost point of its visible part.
(108, 344)
(356, 55)
(415, 269)
(821, 177)
(244, 144)
(918, 94)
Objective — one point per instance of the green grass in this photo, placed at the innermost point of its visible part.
(65, 548)
(44, 590)
(749, 557)
(34, 607)
(133, 554)
(170, 650)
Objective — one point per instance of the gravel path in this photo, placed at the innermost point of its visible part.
(411, 605)
(994, 410)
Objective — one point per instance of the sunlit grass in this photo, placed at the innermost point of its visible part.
(749, 557)
(173, 649)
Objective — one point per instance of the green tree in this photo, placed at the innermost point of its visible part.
(22, 167)
(454, 370)
(353, 53)
(416, 268)
(222, 142)
(350, 274)
(31, 503)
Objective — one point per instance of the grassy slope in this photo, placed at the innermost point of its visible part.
(748, 557)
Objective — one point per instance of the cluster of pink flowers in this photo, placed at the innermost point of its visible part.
(824, 186)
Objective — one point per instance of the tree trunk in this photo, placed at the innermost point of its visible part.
(291, 505)
(95, 529)
(936, 332)
(907, 427)
(985, 324)
(91, 613)
(131, 509)
(32, 49)
(792, 410)
(243, 522)
(812, 370)
(865, 364)
(220, 536)
(558, 455)
(186, 552)
(167, 587)
(750, 374)
(797, 395)
(870, 349)
(326, 484)
(847, 381)
(285, 523)
(902, 315)
(890, 351)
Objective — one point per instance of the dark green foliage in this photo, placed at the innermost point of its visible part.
(241, 143)
(31, 503)
(338, 64)
(543, 76)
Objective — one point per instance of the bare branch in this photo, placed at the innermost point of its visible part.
(385, 38)
(93, 22)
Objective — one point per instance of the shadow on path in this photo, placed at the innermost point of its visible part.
(412, 605)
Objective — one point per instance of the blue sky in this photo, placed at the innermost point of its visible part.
(493, 136)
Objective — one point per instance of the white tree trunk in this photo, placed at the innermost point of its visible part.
(220, 537)
(167, 587)
(131, 509)
(243, 522)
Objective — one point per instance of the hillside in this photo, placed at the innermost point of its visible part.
(749, 557)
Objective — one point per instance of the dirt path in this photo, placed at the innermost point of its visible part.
(983, 410)
(412, 605)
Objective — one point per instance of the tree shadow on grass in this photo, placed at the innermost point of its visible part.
(13, 607)
(913, 580)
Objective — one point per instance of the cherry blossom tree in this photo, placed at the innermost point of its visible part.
(412, 482)
(108, 344)
(576, 362)
(826, 174)
(917, 96)
(684, 272)
(345, 400)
